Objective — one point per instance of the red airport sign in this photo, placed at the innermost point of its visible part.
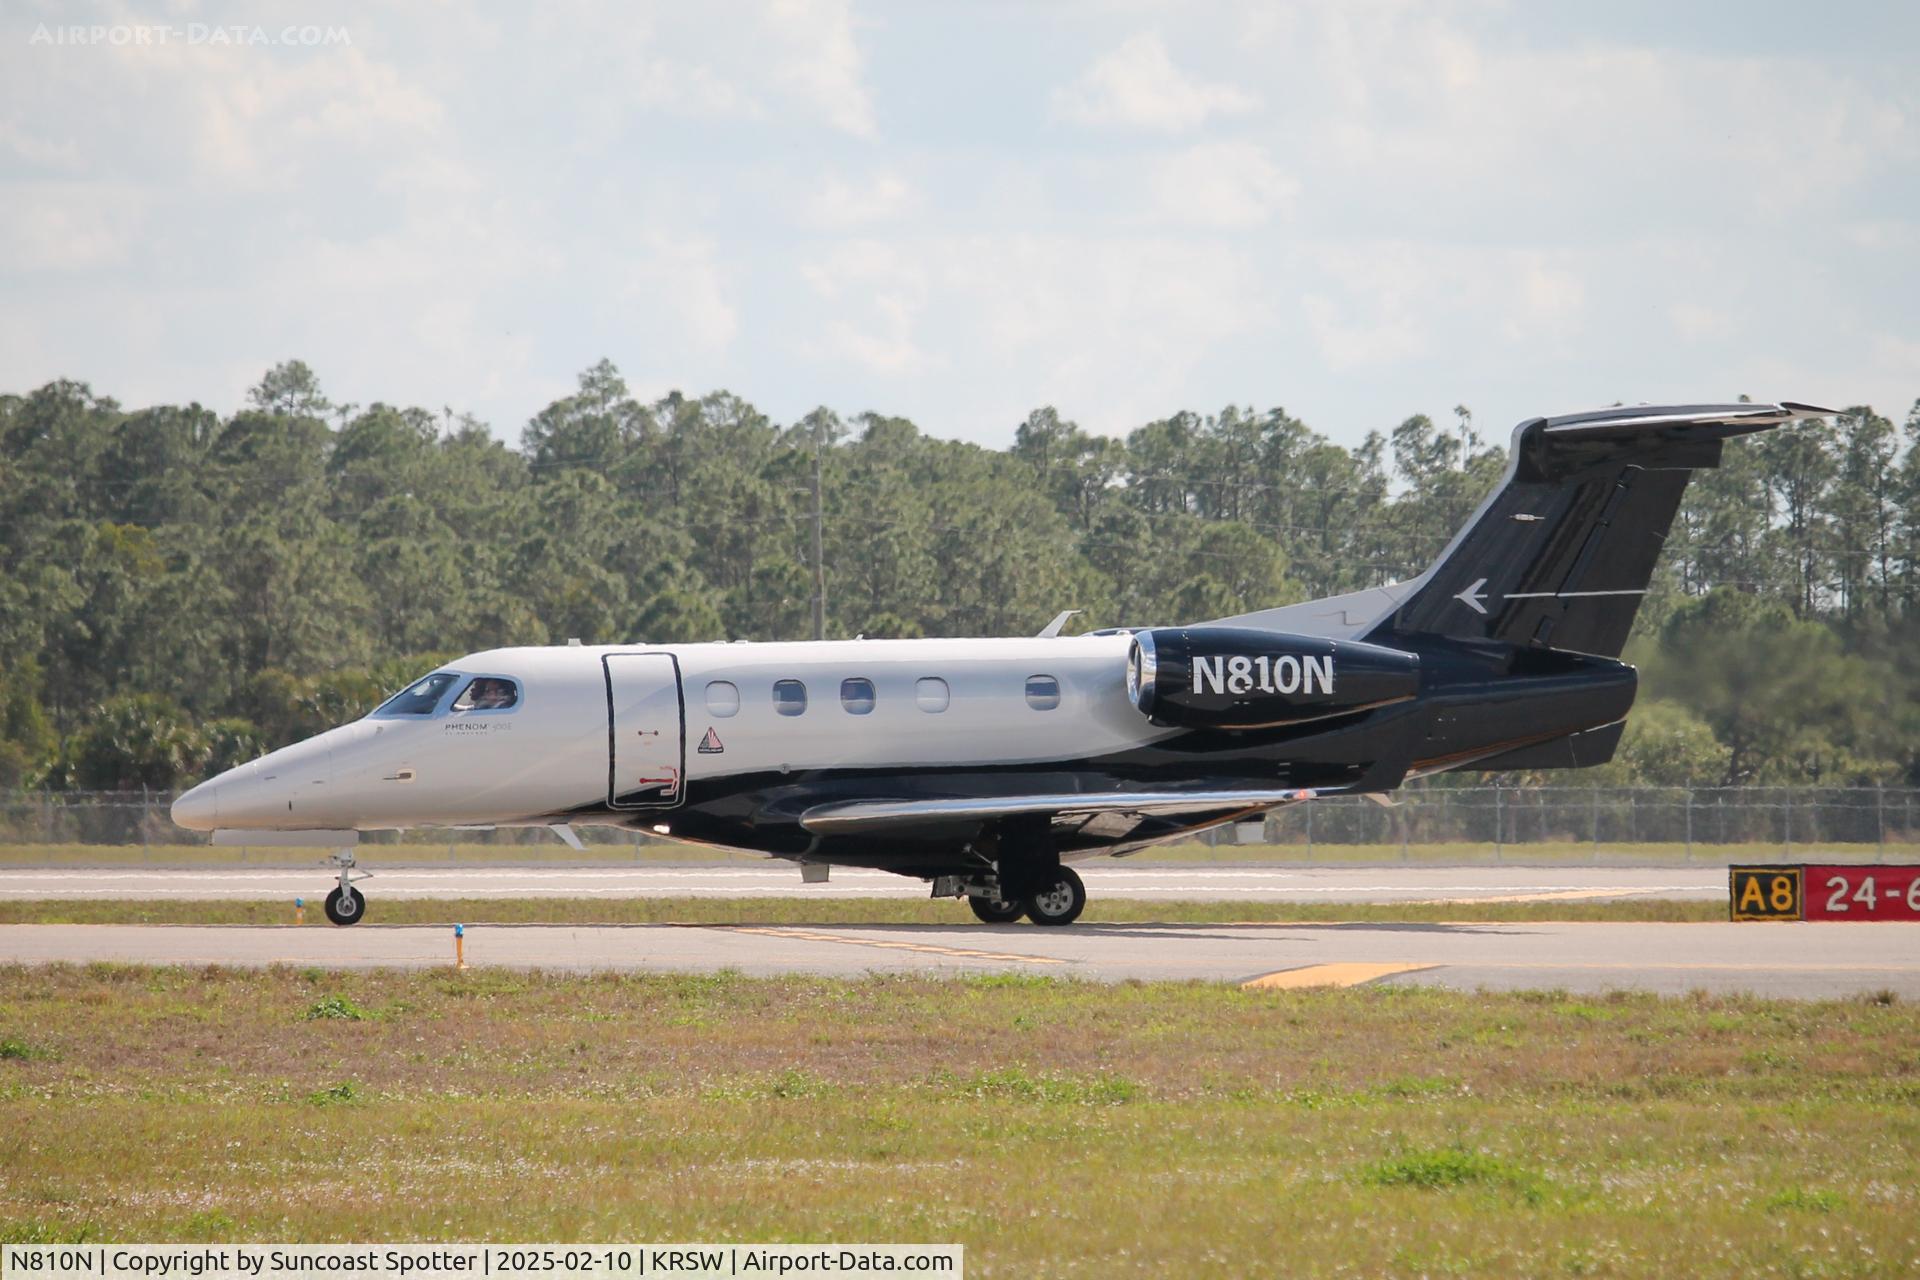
(1817, 892)
(1862, 893)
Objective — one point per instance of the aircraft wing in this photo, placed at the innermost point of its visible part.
(855, 816)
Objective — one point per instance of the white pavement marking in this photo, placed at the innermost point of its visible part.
(1196, 883)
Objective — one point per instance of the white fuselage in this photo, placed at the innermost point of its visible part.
(578, 738)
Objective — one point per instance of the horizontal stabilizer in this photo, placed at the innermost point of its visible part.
(1716, 421)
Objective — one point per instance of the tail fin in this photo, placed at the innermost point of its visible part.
(1563, 551)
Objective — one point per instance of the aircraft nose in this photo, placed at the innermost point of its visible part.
(198, 808)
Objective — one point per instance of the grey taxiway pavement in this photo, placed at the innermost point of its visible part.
(1104, 879)
(1773, 959)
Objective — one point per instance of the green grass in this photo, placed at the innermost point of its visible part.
(1053, 1127)
(1456, 1166)
(18, 1050)
(333, 1095)
(338, 1008)
(824, 910)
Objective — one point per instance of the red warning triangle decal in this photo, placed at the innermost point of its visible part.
(710, 745)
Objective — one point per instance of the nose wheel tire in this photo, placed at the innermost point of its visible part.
(346, 906)
(1062, 903)
(994, 911)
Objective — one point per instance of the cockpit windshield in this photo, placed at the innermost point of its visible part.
(419, 698)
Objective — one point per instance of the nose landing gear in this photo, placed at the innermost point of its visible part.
(346, 904)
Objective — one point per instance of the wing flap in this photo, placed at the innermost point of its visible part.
(853, 816)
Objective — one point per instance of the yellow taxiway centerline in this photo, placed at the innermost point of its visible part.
(1329, 975)
(1555, 895)
(965, 953)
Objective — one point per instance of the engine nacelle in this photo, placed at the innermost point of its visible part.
(1235, 678)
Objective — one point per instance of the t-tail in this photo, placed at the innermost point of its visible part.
(1519, 625)
(1562, 553)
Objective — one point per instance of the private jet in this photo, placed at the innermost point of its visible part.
(986, 767)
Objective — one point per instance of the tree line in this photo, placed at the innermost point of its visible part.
(181, 590)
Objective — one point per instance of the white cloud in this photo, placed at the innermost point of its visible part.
(873, 294)
(68, 227)
(1351, 342)
(36, 149)
(1137, 84)
(1901, 354)
(1883, 234)
(1384, 303)
(1221, 184)
(256, 121)
(1114, 326)
(1399, 103)
(681, 277)
(819, 61)
(1697, 323)
(1547, 298)
(838, 203)
(695, 90)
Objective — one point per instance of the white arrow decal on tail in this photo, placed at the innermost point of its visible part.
(1473, 597)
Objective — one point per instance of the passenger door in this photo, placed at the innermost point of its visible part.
(646, 731)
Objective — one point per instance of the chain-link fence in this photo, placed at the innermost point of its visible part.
(1622, 825)
(105, 828)
(1594, 824)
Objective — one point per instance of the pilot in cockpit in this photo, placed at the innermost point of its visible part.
(486, 694)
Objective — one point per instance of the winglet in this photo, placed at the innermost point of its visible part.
(1052, 629)
(568, 834)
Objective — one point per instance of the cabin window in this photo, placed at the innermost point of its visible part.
(856, 696)
(930, 693)
(1043, 693)
(789, 697)
(723, 698)
(487, 693)
(419, 698)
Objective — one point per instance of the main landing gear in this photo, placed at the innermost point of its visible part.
(346, 904)
(994, 911)
(1024, 878)
(1058, 897)
(1060, 903)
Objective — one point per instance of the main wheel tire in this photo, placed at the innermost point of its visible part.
(1060, 904)
(994, 911)
(346, 908)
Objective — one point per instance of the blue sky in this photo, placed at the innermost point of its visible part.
(1357, 211)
